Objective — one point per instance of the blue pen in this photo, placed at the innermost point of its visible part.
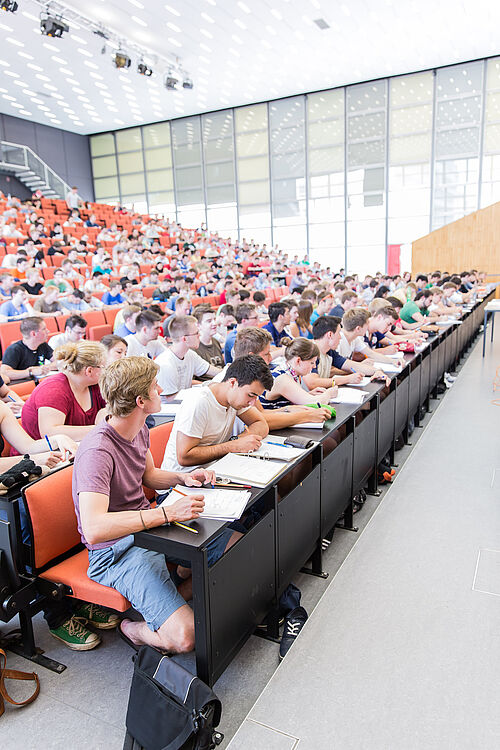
(48, 442)
(12, 399)
(281, 445)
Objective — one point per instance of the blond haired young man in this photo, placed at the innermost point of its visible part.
(112, 464)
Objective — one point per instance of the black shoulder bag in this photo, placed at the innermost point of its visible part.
(169, 708)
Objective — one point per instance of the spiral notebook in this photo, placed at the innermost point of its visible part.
(220, 504)
(257, 472)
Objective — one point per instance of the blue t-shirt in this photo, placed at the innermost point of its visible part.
(229, 345)
(123, 331)
(112, 299)
(337, 359)
(277, 336)
(338, 310)
(373, 339)
(11, 312)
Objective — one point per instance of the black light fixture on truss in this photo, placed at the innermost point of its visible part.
(121, 60)
(144, 70)
(52, 26)
(9, 5)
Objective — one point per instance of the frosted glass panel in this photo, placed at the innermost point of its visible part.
(128, 140)
(106, 187)
(253, 169)
(251, 118)
(156, 135)
(159, 158)
(132, 162)
(252, 144)
(132, 183)
(100, 145)
(161, 180)
(104, 166)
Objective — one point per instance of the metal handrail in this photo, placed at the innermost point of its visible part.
(48, 173)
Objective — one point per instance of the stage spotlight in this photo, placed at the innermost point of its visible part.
(122, 60)
(52, 26)
(9, 6)
(187, 83)
(144, 70)
(171, 81)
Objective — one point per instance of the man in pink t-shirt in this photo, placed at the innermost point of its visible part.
(111, 465)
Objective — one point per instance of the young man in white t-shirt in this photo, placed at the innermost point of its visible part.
(355, 325)
(204, 423)
(145, 342)
(179, 364)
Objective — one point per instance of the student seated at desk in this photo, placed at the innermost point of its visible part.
(146, 341)
(179, 364)
(112, 464)
(31, 356)
(354, 329)
(204, 423)
(258, 341)
(326, 335)
(416, 313)
(69, 402)
(289, 386)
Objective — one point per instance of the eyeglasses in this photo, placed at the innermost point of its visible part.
(187, 335)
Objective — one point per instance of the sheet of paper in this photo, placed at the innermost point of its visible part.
(387, 367)
(366, 380)
(226, 505)
(348, 396)
(247, 470)
(310, 426)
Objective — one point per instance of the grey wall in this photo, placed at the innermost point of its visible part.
(10, 184)
(68, 154)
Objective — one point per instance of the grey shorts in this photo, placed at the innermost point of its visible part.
(142, 576)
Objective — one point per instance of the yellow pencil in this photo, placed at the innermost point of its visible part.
(183, 525)
(188, 528)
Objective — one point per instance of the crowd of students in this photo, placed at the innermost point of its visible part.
(270, 337)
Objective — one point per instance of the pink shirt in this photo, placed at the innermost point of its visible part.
(56, 392)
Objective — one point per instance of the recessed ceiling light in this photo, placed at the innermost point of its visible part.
(7, 28)
(174, 41)
(85, 52)
(42, 77)
(50, 87)
(9, 98)
(25, 54)
(91, 65)
(78, 39)
(25, 112)
(15, 75)
(244, 7)
(172, 10)
(137, 4)
(202, 45)
(33, 66)
(206, 33)
(14, 41)
(59, 60)
(30, 16)
(173, 26)
(240, 23)
(138, 20)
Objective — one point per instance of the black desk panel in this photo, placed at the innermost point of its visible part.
(336, 483)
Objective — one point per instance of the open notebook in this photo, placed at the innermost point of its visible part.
(270, 449)
(221, 504)
(348, 396)
(256, 472)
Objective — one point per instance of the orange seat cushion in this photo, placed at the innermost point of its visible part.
(73, 572)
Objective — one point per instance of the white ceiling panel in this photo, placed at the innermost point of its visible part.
(235, 52)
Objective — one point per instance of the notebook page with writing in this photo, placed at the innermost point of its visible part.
(221, 504)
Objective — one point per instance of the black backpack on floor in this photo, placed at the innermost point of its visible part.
(169, 708)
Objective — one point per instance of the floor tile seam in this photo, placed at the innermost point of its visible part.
(273, 729)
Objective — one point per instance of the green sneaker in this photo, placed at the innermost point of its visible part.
(96, 616)
(75, 636)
